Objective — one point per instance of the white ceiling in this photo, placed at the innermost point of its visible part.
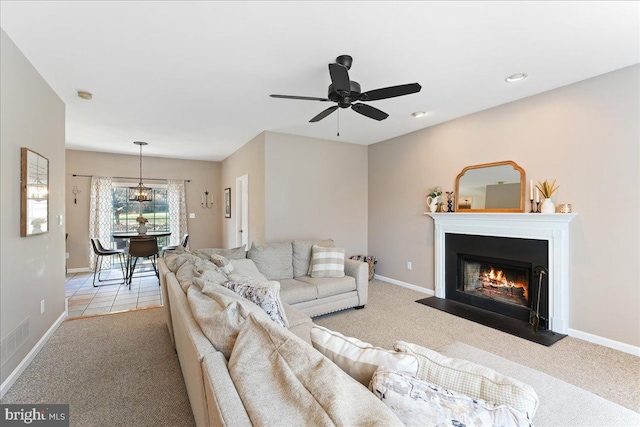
(193, 78)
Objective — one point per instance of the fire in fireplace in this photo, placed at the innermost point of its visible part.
(502, 283)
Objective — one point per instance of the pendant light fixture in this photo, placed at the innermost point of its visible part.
(140, 193)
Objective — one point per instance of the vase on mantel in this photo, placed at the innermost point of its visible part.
(142, 229)
(547, 206)
(432, 202)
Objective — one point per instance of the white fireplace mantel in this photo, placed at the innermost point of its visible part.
(551, 227)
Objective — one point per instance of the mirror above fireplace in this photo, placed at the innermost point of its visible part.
(491, 187)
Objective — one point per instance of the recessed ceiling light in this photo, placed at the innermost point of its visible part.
(85, 95)
(419, 114)
(516, 78)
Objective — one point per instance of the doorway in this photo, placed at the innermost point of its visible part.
(242, 209)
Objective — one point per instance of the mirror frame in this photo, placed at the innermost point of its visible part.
(515, 166)
(29, 160)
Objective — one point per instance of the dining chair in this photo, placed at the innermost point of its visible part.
(183, 243)
(141, 247)
(100, 251)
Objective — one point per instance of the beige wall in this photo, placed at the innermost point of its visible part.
(248, 160)
(31, 268)
(204, 229)
(316, 188)
(586, 135)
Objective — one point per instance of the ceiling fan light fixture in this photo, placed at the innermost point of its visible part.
(419, 114)
(516, 78)
(85, 95)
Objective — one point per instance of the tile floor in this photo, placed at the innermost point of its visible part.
(85, 300)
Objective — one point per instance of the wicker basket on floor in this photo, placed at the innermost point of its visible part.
(371, 260)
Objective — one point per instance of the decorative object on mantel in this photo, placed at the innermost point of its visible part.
(450, 199)
(433, 198)
(206, 201)
(491, 187)
(75, 192)
(547, 190)
(142, 228)
(565, 208)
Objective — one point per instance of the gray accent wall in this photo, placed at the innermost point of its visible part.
(586, 135)
(31, 268)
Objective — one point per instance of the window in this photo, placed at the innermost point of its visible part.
(125, 212)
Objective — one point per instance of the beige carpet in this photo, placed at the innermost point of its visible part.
(113, 370)
(391, 314)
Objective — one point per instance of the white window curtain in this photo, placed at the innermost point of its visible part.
(100, 216)
(177, 210)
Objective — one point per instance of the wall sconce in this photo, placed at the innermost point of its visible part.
(206, 201)
(75, 192)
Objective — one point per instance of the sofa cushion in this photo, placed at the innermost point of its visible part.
(221, 315)
(246, 267)
(263, 294)
(175, 260)
(270, 364)
(222, 263)
(327, 262)
(185, 275)
(328, 286)
(471, 379)
(293, 291)
(421, 403)
(274, 260)
(302, 254)
(233, 253)
(358, 358)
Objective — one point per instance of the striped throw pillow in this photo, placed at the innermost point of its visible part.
(327, 262)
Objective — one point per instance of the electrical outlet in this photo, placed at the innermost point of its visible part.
(192, 215)
(409, 266)
(42, 307)
(66, 255)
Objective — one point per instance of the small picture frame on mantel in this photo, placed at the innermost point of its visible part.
(227, 202)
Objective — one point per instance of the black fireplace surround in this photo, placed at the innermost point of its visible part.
(524, 256)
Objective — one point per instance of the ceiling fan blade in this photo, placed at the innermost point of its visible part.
(390, 92)
(340, 78)
(304, 98)
(369, 111)
(324, 114)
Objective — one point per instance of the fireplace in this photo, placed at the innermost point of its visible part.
(498, 274)
(549, 238)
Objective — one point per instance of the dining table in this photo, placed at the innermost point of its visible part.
(128, 235)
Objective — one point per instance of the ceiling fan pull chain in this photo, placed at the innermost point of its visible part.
(338, 123)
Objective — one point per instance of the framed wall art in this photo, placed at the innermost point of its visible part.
(34, 194)
(227, 202)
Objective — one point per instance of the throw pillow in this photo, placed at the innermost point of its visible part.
(421, 403)
(222, 263)
(302, 255)
(358, 358)
(326, 262)
(264, 296)
(270, 364)
(471, 379)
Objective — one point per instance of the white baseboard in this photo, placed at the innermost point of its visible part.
(616, 345)
(6, 385)
(80, 270)
(405, 284)
(585, 336)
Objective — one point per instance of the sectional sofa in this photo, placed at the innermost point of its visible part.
(242, 368)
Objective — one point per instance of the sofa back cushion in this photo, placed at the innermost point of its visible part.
(274, 260)
(233, 253)
(270, 365)
(302, 254)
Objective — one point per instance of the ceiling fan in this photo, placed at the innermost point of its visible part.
(346, 93)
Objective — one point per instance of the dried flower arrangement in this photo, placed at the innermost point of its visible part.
(435, 192)
(547, 189)
(142, 220)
